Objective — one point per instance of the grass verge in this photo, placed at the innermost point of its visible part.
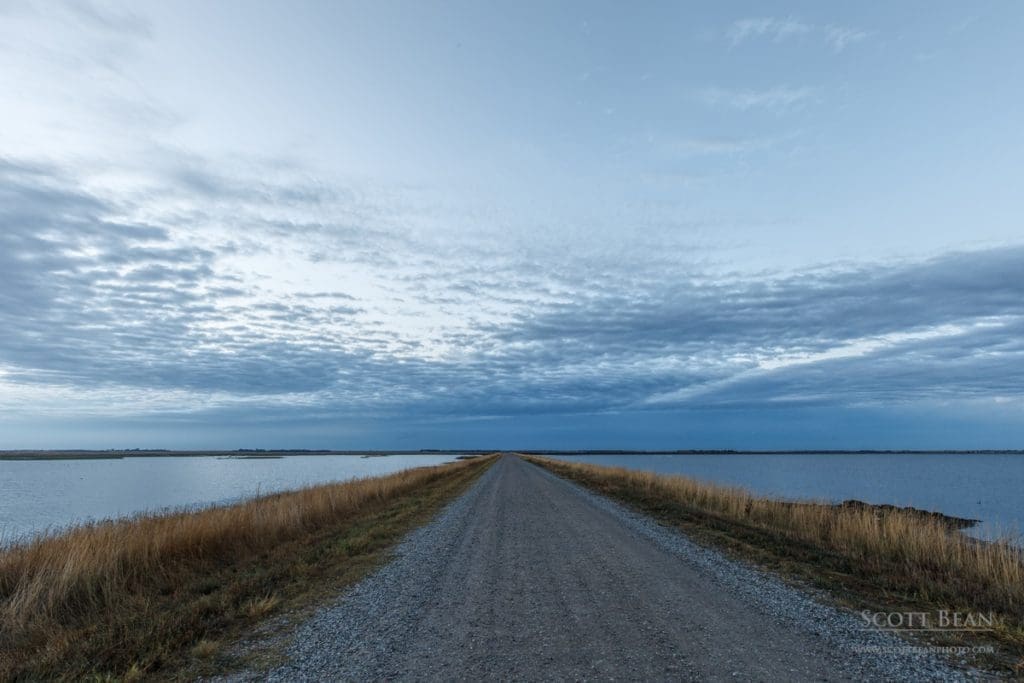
(160, 595)
(867, 557)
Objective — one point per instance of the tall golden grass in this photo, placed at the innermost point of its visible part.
(52, 584)
(922, 553)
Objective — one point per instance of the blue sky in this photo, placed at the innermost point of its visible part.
(406, 224)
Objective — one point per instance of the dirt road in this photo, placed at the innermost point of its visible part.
(527, 576)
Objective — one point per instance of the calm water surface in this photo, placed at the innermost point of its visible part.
(989, 488)
(36, 495)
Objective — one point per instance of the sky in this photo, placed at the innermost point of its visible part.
(511, 225)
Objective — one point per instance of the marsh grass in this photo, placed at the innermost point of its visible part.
(875, 557)
(205, 649)
(261, 607)
(142, 594)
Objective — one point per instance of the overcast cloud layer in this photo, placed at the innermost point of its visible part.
(335, 225)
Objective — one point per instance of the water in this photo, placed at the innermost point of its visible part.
(45, 494)
(989, 488)
(36, 495)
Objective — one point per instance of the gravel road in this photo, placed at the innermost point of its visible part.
(527, 577)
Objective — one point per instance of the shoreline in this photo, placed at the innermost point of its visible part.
(158, 595)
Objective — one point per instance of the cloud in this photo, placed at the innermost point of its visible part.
(779, 30)
(113, 20)
(841, 37)
(99, 303)
(715, 341)
(776, 30)
(976, 364)
(88, 299)
(713, 146)
(777, 98)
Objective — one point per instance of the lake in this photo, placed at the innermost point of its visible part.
(986, 487)
(36, 495)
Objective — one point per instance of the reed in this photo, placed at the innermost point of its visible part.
(164, 581)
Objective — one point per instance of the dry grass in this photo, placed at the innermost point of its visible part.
(114, 596)
(205, 649)
(257, 608)
(905, 555)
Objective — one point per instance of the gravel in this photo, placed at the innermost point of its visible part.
(529, 577)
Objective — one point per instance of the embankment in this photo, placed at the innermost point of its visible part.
(869, 557)
(159, 594)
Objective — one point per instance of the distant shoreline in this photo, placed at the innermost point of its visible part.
(242, 454)
(257, 454)
(788, 452)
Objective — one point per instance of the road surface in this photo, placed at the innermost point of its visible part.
(529, 577)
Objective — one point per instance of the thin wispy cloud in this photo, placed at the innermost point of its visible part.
(771, 28)
(779, 30)
(777, 98)
(712, 146)
(841, 37)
